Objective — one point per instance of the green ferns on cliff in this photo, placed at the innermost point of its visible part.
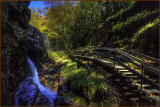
(135, 27)
(144, 29)
(132, 3)
(141, 15)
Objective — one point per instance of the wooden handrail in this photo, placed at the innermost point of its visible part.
(156, 74)
(138, 60)
(152, 67)
(132, 70)
(139, 75)
(142, 55)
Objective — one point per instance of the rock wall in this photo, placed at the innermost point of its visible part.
(37, 44)
(17, 42)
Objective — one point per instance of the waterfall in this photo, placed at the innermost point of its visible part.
(34, 72)
(44, 90)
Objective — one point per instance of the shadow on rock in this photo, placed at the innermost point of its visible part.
(28, 94)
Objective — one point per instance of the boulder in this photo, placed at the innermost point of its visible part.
(28, 94)
(37, 44)
(63, 101)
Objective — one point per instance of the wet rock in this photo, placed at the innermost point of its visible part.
(60, 93)
(28, 94)
(64, 89)
(63, 101)
(27, 3)
(15, 16)
(37, 44)
(51, 72)
(49, 78)
(41, 99)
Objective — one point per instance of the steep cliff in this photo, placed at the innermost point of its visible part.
(17, 42)
(37, 44)
(136, 27)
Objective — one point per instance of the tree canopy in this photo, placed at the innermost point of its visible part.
(71, 24)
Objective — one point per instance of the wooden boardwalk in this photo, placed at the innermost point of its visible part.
(141, 87)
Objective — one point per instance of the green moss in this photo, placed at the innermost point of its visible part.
(120, 25)
(84, 83)
(121, 11)
(87, 82)
(140, 15)
(11, 25)
(133, 66)
(112, 17)
(59, 56)
(144, 29)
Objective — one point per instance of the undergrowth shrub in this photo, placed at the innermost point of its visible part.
(91, 86)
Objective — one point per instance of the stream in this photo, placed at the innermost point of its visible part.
(30, 90)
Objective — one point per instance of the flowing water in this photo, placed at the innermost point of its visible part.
(44, 90)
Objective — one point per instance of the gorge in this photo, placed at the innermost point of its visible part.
(80, 53)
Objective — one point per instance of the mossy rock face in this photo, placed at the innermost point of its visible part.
(147, 41)
(37, 44)
(15, 16)
(13, 52)
(119, 29)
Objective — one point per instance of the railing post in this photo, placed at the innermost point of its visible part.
(141, 78)
(114, 69)
(114, 61)
(89, 67)
(88, 63)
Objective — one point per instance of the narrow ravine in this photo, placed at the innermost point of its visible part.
(69, 53)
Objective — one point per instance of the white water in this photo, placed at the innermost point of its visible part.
(45, 91)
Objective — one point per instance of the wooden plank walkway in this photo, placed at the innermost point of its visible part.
(129, 56)
(145, 87)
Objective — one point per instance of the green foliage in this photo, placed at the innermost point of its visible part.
(85, 83)
(143, 29)
(120, 25)
(133, 66)
(37, 20)
(122, 10)
(140, 15)
(59, 56)
(69, 25)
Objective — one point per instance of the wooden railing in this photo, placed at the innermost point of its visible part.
(143, 63)
(142, 55)
(154, 70)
